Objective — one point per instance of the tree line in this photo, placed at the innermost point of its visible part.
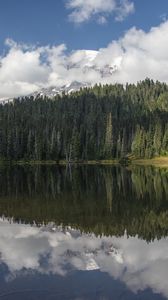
(103, 122)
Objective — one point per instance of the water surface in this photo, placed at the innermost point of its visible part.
(88, 232)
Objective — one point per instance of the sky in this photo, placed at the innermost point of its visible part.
(43, 43)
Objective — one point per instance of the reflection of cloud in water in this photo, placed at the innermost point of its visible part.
(55, 251)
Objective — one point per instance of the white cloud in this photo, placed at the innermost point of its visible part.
(101, 20)
(124, 9)
(138, 264)
(133, 57)
(84, 10)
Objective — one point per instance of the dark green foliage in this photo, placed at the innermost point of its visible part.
(102, 122)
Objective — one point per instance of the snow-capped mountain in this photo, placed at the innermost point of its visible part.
(81, 69)
(53, 91)
(74, 85)
(60, 246)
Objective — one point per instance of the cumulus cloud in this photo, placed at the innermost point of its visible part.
(136, 263)
(135, 56)
(84, 10)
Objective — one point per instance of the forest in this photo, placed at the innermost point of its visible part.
(102, 122)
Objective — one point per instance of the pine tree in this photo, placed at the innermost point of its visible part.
(108, 137)
(158, 138)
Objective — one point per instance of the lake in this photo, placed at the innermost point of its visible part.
(83, 232)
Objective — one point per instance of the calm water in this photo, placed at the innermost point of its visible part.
(89, 232)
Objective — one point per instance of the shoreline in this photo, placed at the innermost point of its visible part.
(157, 161)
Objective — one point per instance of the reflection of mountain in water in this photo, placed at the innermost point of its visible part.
(104, 200)
(131, 264)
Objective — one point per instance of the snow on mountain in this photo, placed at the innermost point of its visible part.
(81, 59)
(83, 62)
(53, 91)
(74, 86)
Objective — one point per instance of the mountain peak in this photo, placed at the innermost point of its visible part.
(55, 90)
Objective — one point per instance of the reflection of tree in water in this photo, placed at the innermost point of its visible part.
(108, 178)
(105, 200)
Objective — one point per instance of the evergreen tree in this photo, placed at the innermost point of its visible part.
(102, 122)
(108, 146)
